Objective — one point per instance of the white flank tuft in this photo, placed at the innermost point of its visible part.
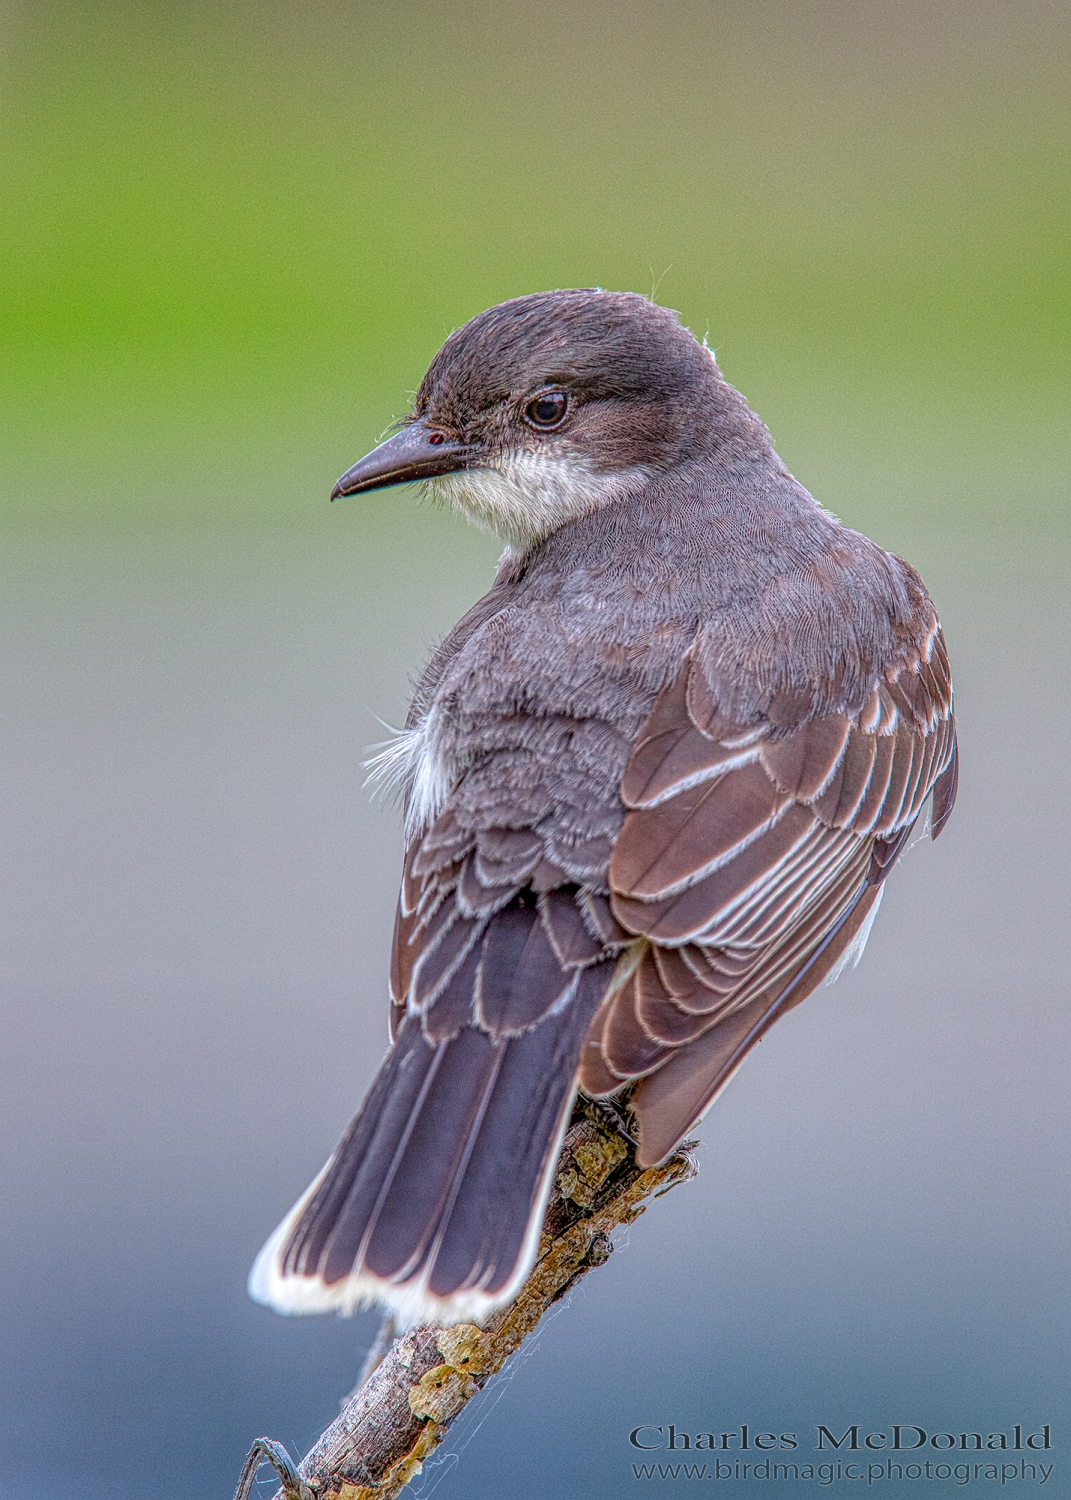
(390, 765)
(411, 765)
(854, 951)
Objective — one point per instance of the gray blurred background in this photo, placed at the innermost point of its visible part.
(232, 240)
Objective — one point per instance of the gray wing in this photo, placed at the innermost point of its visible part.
(747, 865)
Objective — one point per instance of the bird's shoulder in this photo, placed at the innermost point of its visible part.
(828, 718)
(787, 611)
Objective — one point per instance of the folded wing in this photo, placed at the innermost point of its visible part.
(749, 866)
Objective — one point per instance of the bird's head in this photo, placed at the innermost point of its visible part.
(550, 406)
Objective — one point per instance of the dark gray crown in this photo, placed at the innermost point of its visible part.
(599, 344)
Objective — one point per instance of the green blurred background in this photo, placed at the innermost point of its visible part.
(233, 235)
(231, 238)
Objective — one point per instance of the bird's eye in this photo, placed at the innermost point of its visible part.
(547, 410)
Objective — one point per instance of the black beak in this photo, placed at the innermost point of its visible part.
(417, 452)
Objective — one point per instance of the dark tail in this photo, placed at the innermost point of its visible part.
(433, 1203)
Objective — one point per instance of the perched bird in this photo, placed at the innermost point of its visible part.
(654, 782)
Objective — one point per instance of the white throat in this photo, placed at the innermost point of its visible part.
(526, 496)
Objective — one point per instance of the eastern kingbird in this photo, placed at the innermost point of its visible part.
(654, 781)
